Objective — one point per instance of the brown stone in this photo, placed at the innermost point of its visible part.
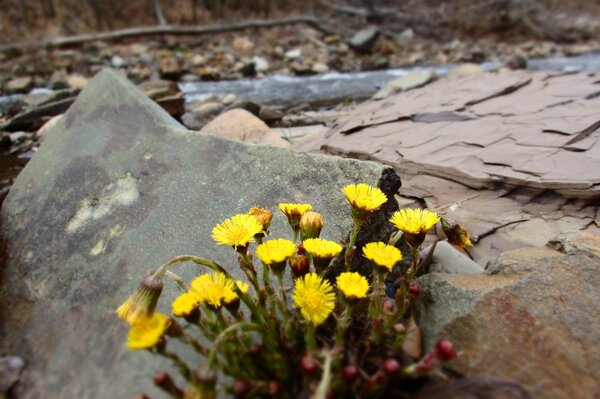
(241, 125)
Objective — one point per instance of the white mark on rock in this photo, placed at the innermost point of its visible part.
(148, 155)
(122, 192)
(98, 248)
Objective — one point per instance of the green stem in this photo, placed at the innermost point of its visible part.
(309, 337)
(184, 337)
(353, 234)
(342, 325)
(183, 368)
(232, 328)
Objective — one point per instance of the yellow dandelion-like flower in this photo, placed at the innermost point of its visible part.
(275, 251)
(184, 305)
(232, 296)
(142, 303)
(237, 231)
(353, 285)
(382, 254)
(315, 298)
(457, 235)
(364, 198)
(414, 221)
(263, 215)
(294, 212)
(147, 333)
(322, 249)
(212, 289)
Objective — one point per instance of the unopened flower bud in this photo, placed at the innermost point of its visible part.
(445, 349)
(262, 215)
(241, 388)
(390, 366)
(414, 289)
(299, 266)
(456, 235)
(174, 329)
(308, 364)
(275, 388)
(388, 306)
(142, 303)
(311, 224)
(350, 373)
(426, 363)
(205, 382)
(164, 381)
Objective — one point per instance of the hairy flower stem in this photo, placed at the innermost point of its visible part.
(309, 337)
(183, 368)
(376, 307)
(353, 234)
(184, 337)
(342, 325)
(402, 294)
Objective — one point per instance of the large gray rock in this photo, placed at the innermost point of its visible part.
(536, 321)
(119, 187)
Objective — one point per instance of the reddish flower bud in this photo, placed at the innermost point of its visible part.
(164, 381)
(388, 306)
(308, 364)
(414, 289)
(390, 366)
(299, 266)
(350, 373)
(300, 249)
(427, 362)
(445, 349)
(275, 388)
(255, 349)
(241, 388)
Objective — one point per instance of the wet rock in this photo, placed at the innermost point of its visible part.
(364, 39)
(174, 104)
(19, 85)
(293, 54)
(239, 124)
(269, 114)
(77, 81)
(5, 140)
(516, 61)
(201, 115)
(536, 320)
(229, 99)
(198, 60)
(169, 68)
(409, 81)
(160, 190)
(59, 80)
(190, 77)
(261, 64)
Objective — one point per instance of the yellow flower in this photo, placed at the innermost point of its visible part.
(237, 231)
(414, 221)
(143, 301)
(382, 254)
(184, 305)
(148, 332)
(364, 198)
(315, 298)
(294, 212)
(232, 296)
(212, 289)
(275, 251)
(353, 285)
(263, 215)
(322, 249)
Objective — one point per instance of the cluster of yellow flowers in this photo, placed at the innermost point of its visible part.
(314, 295)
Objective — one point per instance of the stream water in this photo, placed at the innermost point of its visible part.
(332, 88)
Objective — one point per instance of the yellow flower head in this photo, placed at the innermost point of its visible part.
(322, 249)
(315, 298)
(237, 231)
(353, 285)
(311, 224)
(212, 289)
(143, 302)
(148, 332)
(382, 254)
(263, 215)
(184, 305)
(232, 296)
(294, 212)
(275, 251)
(364, 198)
(414, 221)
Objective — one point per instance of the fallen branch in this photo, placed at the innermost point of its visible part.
(60, 42)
